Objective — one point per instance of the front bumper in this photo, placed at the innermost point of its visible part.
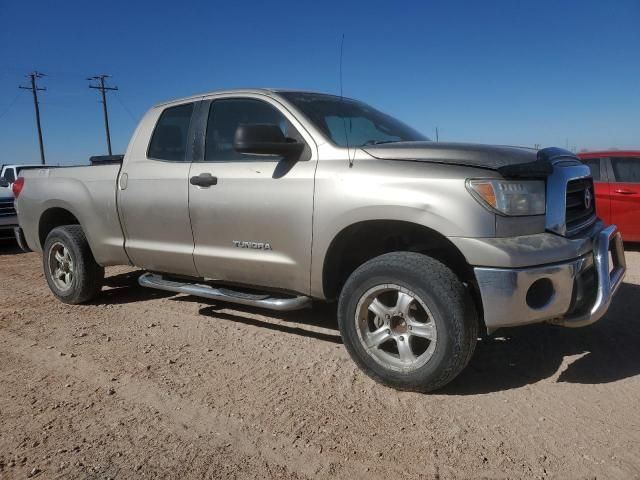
(575, 293)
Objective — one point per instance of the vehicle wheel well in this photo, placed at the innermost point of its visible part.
(363, 241)
(52, 218)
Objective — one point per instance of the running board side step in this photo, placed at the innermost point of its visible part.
(281, 304)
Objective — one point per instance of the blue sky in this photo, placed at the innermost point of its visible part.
(510, 72)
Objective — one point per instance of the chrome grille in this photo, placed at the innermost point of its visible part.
(7, 208)
(581, 205)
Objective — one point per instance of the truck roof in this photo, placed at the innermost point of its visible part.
(262, 91)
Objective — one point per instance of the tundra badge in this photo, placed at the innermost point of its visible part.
(254, 245)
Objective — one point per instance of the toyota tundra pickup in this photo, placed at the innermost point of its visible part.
(275, 198)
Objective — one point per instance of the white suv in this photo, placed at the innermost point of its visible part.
(8, 217)
(11, 172)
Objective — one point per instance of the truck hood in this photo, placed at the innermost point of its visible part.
(500, 158)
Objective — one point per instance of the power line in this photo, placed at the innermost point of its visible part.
(11, 104)
(133, 117)
(103, 89)
(34, 76)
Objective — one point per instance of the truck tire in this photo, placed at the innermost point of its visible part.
(71, 271)
(408, 321)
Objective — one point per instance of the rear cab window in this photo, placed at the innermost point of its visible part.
(170, 137)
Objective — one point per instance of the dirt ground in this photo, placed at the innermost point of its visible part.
(144, 384)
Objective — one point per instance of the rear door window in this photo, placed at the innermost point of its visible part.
(170, 137)
(626, 169)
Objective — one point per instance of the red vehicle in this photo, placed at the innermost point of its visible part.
(617, 183)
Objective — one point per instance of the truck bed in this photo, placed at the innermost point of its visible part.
(88, 194)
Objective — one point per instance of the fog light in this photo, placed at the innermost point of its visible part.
(540, 293)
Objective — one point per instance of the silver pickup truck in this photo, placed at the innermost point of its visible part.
(273, 198)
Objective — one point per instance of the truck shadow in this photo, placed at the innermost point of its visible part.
(607, 351)
(322, 315)
(123, 288)
(511, 358)
(632, 247)
(10, 247)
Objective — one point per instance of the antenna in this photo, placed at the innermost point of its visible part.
(344, 124)
(341, 49)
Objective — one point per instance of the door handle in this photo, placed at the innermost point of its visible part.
(203, 180)
(624, 191)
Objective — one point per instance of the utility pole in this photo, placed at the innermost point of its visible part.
(437, 135)
(34, 76)
(103, 88)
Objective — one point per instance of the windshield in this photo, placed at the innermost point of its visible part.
(349, 123)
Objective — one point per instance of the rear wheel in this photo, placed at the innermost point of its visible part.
(69, 266)
(407, 321)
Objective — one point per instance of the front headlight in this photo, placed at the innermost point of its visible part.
(513, 198)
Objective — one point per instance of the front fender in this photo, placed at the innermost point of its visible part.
(432, 196)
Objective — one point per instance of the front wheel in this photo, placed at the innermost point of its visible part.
(407, 321)
(69, 266)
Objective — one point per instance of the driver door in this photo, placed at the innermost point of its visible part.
(252, 220)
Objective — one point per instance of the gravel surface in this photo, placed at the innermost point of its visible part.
(145, 384)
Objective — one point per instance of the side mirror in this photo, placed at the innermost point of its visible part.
(4, 183)
(266, 139)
